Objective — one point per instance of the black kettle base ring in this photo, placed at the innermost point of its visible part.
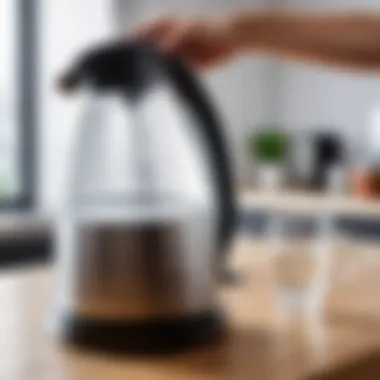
(162, 336)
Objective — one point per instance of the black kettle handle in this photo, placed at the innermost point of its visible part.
(190, 89)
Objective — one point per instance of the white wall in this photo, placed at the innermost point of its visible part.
(312, 96)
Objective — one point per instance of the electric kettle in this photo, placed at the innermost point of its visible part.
(150, 210)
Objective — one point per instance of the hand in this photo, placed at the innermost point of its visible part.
(202, 42)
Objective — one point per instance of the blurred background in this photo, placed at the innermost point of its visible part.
(289, 125)
(305, 148)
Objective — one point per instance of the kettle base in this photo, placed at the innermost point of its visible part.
(149, 337)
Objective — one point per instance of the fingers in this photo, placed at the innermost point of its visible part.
(174, 39)
(154, 30)
(185, 37)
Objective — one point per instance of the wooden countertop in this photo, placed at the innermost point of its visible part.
(309, 203)
(344, 345)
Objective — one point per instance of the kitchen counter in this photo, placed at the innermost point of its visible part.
(309, 203)
(343, 344)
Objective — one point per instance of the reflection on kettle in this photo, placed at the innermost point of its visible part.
(150, 211)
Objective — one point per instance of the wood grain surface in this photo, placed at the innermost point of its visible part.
(344, 343)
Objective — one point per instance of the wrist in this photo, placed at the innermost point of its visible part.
(231, 29)
(249, 29)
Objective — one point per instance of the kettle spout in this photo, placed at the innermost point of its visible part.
(68, 82)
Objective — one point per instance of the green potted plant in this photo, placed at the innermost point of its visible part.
(268, 146)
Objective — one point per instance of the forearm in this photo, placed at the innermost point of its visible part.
(350, 38)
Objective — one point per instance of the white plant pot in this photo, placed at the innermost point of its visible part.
(337, 180)
(270, 177)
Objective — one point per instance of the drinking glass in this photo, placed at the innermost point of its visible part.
(300, 264)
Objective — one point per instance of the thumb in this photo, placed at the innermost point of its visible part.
(153, 30)
(173, 41)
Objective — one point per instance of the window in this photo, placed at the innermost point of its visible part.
(17, 102)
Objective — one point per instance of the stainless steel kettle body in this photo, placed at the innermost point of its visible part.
(139, 237)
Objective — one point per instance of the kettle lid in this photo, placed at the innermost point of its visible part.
(126, 67)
